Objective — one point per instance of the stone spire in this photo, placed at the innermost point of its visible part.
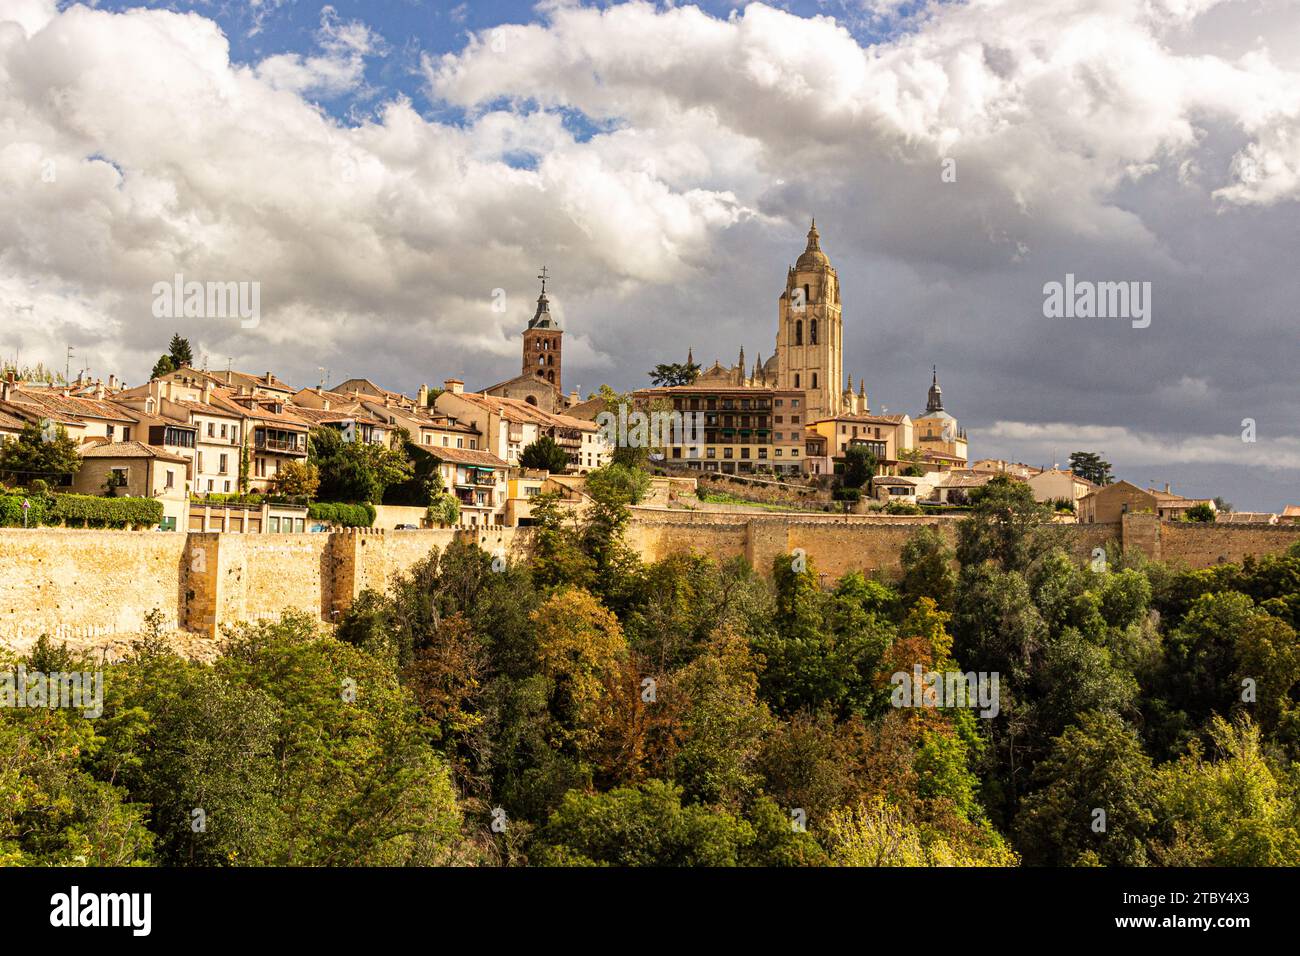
(542, 317)
(935, 401)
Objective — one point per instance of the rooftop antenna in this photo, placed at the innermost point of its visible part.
(67, 366)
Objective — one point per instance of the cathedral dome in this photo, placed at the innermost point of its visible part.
(813, 259)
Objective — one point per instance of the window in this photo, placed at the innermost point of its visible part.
(762, 453)
(223, 431)
(812, 334)
(711, 453)
(126, 436)
(222, 469)
(798, 332)
(273, 523)
(212, 429)
(171, 479)
(796, 381)
(110, 432)
(814, 377)
(727, 452)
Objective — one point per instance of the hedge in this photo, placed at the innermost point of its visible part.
(344, 515)
(89, 511)
(11, 510)
(80, 511)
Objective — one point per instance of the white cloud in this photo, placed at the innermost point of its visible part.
(1041, 441)
(1089, 136)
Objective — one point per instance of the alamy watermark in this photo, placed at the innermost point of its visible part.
(650, 429)
(1084, 299)
(179, 299)
(70, 690)
(922, 688)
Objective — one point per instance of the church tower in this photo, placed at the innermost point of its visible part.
(543, 342)
(810, 333)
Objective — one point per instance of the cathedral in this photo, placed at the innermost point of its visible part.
(808, 361)
(809, 355)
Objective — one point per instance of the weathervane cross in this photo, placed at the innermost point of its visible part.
(543, 276)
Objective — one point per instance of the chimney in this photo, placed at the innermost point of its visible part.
(1167, 488)
(269, 378)
(99, 391)
(207, 391)
(454, 385)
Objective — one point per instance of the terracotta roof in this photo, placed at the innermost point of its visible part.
(965, 481)
(463, 456)
(321, 416)
(9, 421)
(863, 419)
(232, 379)
(52, 402)
(130, 449)
(512, 409)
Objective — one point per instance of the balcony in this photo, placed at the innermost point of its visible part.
(289, 443)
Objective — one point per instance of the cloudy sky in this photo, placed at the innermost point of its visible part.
(383, 168)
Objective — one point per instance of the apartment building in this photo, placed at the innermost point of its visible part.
(885, 436)
(141, 471)
(736, 429)
(479, 481)
(508, 426)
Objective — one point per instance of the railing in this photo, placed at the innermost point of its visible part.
(279, 444)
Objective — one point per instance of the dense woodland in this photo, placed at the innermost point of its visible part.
(581, 707)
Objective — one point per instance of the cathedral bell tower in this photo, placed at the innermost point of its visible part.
(810, 332)
(543, 341)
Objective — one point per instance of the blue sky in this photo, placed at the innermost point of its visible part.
(410, 28)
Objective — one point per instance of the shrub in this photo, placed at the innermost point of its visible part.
(344, 515)
(11, 510)
(89, 511)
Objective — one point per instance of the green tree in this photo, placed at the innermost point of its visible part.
(1098, 765)
(545, 454)
(646, 825)
(859, 466)
(927, 568)
(667, 375)
(178, 350)
(1006, 525)
(1089, 465)
(42, 450)
(1201, 512)
(296, 479)
(355, 471)
(163, 367)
